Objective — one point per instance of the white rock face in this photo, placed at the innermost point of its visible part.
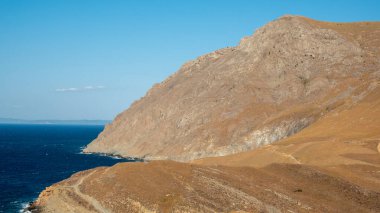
(273, 84)
(271, 134)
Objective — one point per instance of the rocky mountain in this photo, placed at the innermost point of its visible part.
(311, 87)
(273, 84)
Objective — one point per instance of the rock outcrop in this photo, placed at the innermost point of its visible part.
(273, 84)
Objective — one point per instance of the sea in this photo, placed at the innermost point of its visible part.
(33, 157)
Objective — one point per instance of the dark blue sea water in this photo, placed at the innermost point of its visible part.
(33, 157)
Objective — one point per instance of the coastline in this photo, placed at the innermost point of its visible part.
(113, 156)
(31, 207)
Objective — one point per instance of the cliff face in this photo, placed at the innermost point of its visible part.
(273, 84)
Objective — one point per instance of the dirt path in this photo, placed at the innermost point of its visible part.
(286, 155)
(88, 198)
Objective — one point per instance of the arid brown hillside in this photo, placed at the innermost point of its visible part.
(273, 84)
(331, 166)
(178, 187)
(317, 83)
(345, 142)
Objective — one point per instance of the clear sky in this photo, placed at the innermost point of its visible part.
(78, 59)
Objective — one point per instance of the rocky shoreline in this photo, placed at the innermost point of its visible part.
(31, 207)
(116, 156)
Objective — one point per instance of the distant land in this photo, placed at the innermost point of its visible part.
(65, 122)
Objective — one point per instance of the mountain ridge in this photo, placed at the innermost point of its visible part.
(273, 84)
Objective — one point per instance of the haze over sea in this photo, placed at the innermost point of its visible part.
(33, 157)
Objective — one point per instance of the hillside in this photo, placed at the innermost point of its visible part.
(295, 107)
(273, 84)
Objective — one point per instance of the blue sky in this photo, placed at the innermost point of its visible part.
(78, 59)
